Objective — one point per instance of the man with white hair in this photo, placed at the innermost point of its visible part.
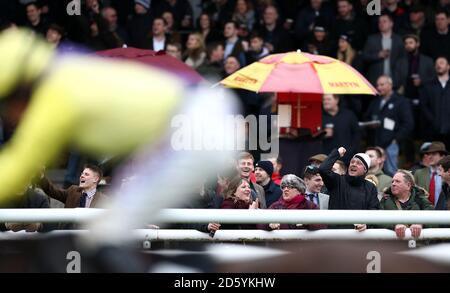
(404, 194)
(350, 191)
(396, 121)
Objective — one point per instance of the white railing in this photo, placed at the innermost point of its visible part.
(282, 235)
(305, 216)
(143, 235)
(240, 216)
(49, 215)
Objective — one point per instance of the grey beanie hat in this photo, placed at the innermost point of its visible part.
(291, 180)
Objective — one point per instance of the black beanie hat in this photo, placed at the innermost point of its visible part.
(266, 166)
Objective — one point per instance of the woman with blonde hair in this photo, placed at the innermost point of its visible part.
(374, 180)
(345, 52)
(195, 54)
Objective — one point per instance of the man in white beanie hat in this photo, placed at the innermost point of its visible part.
(350, 191)
(365, 160)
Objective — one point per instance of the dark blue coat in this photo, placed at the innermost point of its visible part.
(435, 106)
(398, 109)
(272, 192)
(346, 132)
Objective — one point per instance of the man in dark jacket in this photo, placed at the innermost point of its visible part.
(413, 70)
(396, 121)
(263, 175)
(411, 73)
(341, 126)
(140, 23)
(350, 191)
(308, 16)
(212, 69)
(34, 18)
(435, 102)
(436, 40)
(443, 202)
(350, 24)
(276, 38)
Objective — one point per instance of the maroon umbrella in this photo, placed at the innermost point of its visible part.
(157, 59)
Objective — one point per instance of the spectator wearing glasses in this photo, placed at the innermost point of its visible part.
(174, 49)
(293, 198)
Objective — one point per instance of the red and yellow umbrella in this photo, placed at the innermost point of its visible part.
(297, 72)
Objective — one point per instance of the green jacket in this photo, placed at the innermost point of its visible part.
(422, 178)
(417, 201)
(384, 181)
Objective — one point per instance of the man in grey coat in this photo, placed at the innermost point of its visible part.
(382, 50)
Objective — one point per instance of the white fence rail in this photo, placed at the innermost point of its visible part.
(282, 235)
(241, 216)
(246, 235)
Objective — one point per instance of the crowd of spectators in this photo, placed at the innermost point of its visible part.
(408, 44)
(404, 52)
